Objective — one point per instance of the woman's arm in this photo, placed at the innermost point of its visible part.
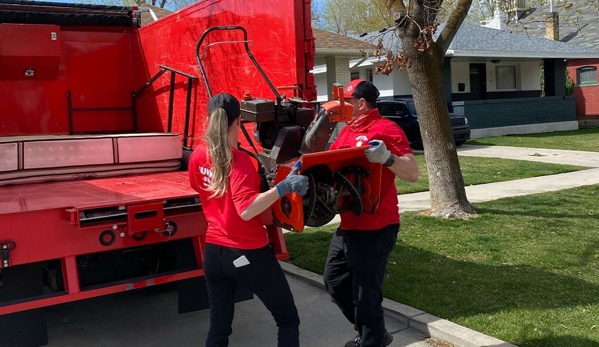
(293, 183)
(260, 204)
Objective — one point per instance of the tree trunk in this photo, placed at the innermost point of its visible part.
(448, 195)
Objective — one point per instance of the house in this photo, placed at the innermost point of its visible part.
(578, 25)
(337, 59)
(493, 77)
(151, 13)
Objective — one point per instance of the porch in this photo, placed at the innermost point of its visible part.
(496, 117)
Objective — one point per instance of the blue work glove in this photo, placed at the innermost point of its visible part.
(377, 152)
(293, 183)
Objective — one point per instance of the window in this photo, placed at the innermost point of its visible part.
(506, 77)
(354, 75)
(369, 75)
(587, 75)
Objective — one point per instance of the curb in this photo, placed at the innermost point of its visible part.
(420, 321)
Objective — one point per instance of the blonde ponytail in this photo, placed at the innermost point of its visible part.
(219, 152)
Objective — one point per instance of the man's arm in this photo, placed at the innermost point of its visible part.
(405, 167)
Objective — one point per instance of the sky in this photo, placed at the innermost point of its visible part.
(319, 3)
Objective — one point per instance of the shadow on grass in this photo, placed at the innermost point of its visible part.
(454, 289)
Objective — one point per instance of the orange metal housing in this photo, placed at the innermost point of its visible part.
(336, 159)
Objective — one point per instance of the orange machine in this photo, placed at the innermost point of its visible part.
(341, 180)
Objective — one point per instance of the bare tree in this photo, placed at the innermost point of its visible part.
(422, 53)
(354, 17)
(416, 23)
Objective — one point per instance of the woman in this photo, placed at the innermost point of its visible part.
(237, 248)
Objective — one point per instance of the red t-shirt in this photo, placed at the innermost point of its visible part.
(225, 226)
(375, 127)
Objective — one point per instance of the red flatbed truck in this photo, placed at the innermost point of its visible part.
(97, 115)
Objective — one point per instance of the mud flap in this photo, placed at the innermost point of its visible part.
(27, 328)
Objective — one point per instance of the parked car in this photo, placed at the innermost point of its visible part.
(403, 112)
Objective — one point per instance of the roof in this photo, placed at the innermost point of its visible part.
(328, 42)
(146, 17)
(579, 25)
(476, 41)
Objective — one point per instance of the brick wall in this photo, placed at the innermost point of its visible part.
(587, 97)
(337, 72)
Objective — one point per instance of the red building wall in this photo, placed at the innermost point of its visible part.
(587, 96)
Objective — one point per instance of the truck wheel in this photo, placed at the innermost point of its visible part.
(459, 143)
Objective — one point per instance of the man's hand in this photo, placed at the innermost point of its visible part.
(377, 152)
(293, 183)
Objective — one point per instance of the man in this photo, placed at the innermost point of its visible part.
(358, 253)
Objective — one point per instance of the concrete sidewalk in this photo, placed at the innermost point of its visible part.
(498, 190)
(555, 156)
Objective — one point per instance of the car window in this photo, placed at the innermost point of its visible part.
(391, 109)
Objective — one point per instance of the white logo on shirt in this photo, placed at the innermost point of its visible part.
(206, 176)
(360, 140)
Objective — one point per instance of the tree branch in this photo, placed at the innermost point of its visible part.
(400, 5)
(453, 24)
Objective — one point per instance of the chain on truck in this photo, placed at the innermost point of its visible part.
(98, 116)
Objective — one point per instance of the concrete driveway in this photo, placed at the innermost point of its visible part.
(149, 318)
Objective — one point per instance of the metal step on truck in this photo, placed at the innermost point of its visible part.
(97, 117)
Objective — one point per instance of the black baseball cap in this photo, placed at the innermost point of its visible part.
(227, 102)
(361, 89)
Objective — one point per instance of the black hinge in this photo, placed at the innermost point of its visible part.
(5, 248)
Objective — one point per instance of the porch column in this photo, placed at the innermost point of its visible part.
(555, 77)
(447, 82)
(337, 72)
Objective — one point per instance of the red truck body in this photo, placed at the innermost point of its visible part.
(69, 235)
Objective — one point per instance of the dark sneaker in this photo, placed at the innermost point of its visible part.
(357, 340)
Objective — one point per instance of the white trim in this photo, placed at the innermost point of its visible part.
(524, 129)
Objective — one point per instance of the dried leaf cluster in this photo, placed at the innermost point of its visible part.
(401, 60)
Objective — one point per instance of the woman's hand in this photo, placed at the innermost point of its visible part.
(293, 183)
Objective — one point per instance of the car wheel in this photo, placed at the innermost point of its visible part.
(459, 143)
(417, 144)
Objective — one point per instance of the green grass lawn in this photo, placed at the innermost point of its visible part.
(477, 170)
(586, 139)
(525, 271)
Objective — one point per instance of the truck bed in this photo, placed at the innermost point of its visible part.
(84, 194)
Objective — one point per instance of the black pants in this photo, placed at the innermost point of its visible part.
(354, 274)
(263, 276)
